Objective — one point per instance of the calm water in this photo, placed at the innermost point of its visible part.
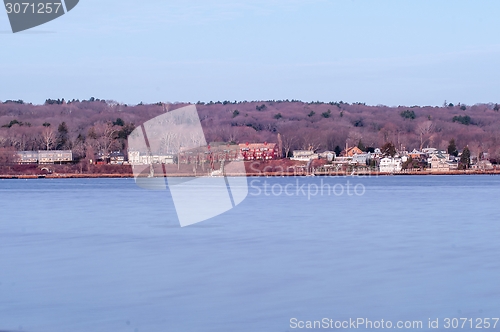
(105, 255)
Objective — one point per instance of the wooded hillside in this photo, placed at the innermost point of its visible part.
(101, 126)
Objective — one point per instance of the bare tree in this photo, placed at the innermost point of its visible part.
(109, 137)
(389, 132)
(103, 136)
(424, 129)
(48, 137)
(289, 137)
(7, 156)
(354, 137)
(309, 139)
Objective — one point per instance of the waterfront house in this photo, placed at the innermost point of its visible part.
(439, 163)
(213, 152)
(27, 157)
(360, 159)
(134, 157)
(56, 156)
(327, 155)
(45, 157)
(377, 153)
(116, 158)
(416, 155)
(349, 152)
(483, 165)
(137, 158)
(259, 151)
(429, 151)
(304, 155)
(390, 165)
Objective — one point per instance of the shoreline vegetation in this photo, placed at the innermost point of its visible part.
(89, 139)
(280, 167)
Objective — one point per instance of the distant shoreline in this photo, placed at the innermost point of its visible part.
(269, 174)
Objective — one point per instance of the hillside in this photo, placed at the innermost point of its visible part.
(88, 127)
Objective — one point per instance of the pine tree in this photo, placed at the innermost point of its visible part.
(452, 148)
(465, 158)
(337, 150)
(62, 135)
(361, 146)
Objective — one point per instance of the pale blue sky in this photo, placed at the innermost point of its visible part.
(374, 51)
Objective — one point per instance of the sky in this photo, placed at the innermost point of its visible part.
(414, 52)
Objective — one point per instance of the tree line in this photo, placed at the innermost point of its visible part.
(95, 125)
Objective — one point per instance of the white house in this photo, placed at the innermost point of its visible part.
(483, 165)
(390, 165)
(360, 159)
(377, 153)
(56, 156)
(328, 155)
(163, 159)
(441, 155)
(439, 163)
(304, 155)
(137, 158)
(134, 157)
(430, 151)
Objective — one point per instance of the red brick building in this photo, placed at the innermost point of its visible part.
(259, 151)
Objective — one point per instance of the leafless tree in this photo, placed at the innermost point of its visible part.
(103, 136)
(309, 139)
(7, 156)
(48, 137)
(109, 137)
(289, 137)
(424, 129)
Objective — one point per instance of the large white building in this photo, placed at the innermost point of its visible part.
(137, 158)
(304, 155)
(45, 157)
(390, 165)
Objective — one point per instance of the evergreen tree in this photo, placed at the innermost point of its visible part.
(452, 148)
(337, 150)
(408, 114)
(62, 135)
(361, 146)
(465, 158)
(326, 115)
(119, 122)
